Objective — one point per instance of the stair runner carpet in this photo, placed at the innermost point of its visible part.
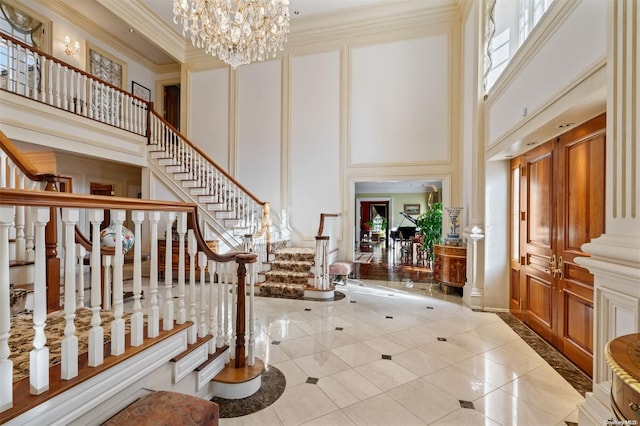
(290, 273)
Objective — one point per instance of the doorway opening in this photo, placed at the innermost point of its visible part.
(103, 189)
(171, 104)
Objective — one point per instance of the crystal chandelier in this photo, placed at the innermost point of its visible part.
(236, 31)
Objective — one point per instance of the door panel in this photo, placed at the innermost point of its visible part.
(562, 198)
(581, 155)
(537, 249)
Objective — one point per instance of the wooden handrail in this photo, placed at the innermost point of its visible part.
(323, 216)
(205, 156)
(22, 197)
(67, 65)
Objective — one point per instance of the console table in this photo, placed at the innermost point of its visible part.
(623, 356)
(449, 266)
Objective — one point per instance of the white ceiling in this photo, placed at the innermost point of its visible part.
(163, 9)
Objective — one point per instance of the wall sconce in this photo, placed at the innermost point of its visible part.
(69, 49)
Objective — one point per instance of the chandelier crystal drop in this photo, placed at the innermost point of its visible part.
(236, 31)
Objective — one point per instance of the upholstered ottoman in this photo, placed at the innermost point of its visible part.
(169, 409)
(341, 269)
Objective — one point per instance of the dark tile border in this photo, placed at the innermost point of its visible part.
(572, 374)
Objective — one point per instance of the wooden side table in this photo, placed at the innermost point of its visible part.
(449, 266)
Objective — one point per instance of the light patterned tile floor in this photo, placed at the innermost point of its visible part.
(422, 379)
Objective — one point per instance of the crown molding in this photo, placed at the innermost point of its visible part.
(66, 12)
(370, 20)
(149, 25)
(167, 68)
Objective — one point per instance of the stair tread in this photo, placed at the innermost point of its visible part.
(213, 357)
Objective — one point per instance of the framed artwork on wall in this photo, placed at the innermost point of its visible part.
(140, 91)
(412, 209)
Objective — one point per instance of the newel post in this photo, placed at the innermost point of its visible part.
(53, 263)
(242, 259)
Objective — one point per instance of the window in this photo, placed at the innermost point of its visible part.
(19, 69)
(104, 102)
(509, 23)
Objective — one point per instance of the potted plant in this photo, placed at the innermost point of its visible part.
(430, 227)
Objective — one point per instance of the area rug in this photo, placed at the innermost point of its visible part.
(273, 385)
(22, 332)
(363, 257)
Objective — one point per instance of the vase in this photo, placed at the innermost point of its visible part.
(453, 236)
(108, 237)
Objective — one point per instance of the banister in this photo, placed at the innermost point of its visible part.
(322, 218)
(205, 156)
(67, 65)
(61, 199)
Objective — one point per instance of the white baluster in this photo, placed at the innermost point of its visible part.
(202, 325)
(45, 64)
(6, 365)
(137, 318)
(220, 302)
(69, 352)
(117, 326)
(80, 253)
(167, 312)
(20, 223)
(181, 316)
(192, 247)
(50, 82)
(3, 169)
(96, 334)
(39, 356)
(107, 263)
(84, 100)
(65, 88)
(226, 302)
(57, 88)
(34, 77)
(153, 322)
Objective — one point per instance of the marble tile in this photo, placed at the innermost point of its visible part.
(463, 416)
(334, 338)
(302, 403)
(357, 354)
(386, 344)
(508, 410)
(381, 410)
(446, 351)
(267, 416)
(337, 418)
(321, 364)
(419, 362)
(462, 385)
(301, 346)
(413, 337)
(487, 370)
(285, 331)
(347, 387)
(386, 374)
(292, 373)
(412, 396)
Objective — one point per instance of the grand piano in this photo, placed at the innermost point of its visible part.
(404, 232)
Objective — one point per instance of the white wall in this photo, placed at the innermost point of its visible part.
(315, 139)
(208, 113)
(399, 105)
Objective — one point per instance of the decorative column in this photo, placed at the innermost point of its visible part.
(473, 295)
(615, 256)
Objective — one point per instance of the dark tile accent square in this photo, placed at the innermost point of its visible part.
(275, 342)
(570, 423)
(466, 404)
(339, 328)
(307, 309)
(442, 339)
(429, 307)
(389, 317)
(312, 380)
(386, 357)
(352, 301)
(391, 295)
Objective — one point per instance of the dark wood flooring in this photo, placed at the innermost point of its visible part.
(387, 264)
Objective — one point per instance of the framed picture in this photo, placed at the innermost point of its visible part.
(412, 209)
(140, 91)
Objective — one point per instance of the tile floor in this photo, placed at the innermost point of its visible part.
(402, 356)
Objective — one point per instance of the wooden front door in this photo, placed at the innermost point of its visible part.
(561, 197)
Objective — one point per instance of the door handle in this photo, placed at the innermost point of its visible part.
(553, 265)
(560, 269)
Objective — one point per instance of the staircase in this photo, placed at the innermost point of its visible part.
(291, 272)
